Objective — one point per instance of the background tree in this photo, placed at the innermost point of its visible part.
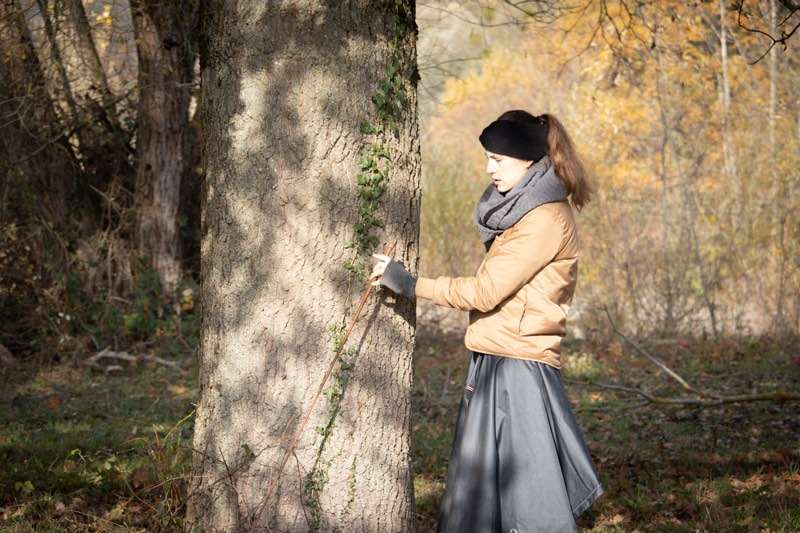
(36, 156)
(72, 136)
(674, 94)
(167, 53)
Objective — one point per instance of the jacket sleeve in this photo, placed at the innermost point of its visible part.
(527, 249)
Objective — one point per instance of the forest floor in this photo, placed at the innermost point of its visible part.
(730, 467)
(85, 451)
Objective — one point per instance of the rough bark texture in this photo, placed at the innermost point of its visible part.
(96, 90)
(285, 87)
(78, 85)
(165, 74)
(35, 157)
(64, 89)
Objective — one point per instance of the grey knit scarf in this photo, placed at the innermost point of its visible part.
(496, 211)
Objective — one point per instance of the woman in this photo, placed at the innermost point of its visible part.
(519, 463)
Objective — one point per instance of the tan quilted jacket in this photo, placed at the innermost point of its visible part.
(519, 298)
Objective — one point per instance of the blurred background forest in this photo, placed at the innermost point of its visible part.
(100, 173)
(691, 132)
(694, 147)
(687, 115)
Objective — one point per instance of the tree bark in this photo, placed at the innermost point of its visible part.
(166, 57)
(95, 91)
(729, 156)
(35, 157)
(668, 290)
(778, 322)
(64, 88)
(286, 87)
(104, 142)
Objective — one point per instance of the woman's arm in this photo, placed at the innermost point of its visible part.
(529, 247)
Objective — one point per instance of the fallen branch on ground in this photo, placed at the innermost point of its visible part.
(106, 353)
(703, 398)
(775, 396)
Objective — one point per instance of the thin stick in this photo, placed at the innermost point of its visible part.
(779, 396)
(656, 361)
(125, 356)
(705, 397)
(388, 250)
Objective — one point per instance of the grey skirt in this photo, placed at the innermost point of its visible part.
(519, 463)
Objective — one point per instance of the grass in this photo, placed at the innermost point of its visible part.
(85, 451)
(729, 468)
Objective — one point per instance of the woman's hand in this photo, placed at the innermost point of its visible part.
(389, 273)
(379, 269)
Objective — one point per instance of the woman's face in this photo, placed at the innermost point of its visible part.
(505, 171)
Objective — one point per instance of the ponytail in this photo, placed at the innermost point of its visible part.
(569, 166)
(565, 158)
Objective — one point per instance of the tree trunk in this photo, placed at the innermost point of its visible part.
(668, 290)
(297, 106)
(166, 57)
(778, 323)
(729, 156)
(94, 91)
(64, 89)
(35, 158)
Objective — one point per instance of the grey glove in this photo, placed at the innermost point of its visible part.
(397, 278)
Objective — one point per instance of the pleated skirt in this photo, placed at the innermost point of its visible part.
(519, 463)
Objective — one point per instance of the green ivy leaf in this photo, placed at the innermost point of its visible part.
(366, 127)
(379, 99)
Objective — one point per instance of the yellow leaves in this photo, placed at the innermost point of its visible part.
(621, 112)
(25, 487)
(751, 484)
(454, 92)
(696, 31)
(116, 512)
(187, 299)
(104, 18)
(178, 390)
(708, 495)
(475, 38)
(616, 519)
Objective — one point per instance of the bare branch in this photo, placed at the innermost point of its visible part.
(125, 356)
(436, 65)
(705, 398)
(776, 396)
(674, 375)
(480, 23)
(793, 9)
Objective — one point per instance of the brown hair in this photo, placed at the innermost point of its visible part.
(569, 166)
